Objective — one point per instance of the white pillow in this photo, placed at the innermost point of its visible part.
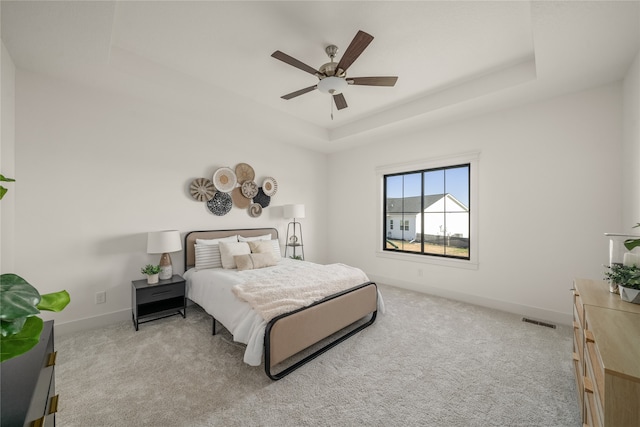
(233, 238)
(208, 252)
(253, 239)
(276, 248)
(230, 249)
(208, 256)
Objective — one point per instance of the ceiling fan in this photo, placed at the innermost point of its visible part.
(333, 76)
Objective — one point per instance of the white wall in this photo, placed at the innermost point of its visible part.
(631, 149)
(98, 171)
(7, 159)
(549, 187)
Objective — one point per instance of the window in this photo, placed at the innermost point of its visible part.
(433, 201)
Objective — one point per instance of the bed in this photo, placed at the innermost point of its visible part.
(283, 340)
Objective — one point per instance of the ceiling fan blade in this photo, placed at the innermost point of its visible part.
(294, 62)
(357, 46)
(340, 101)
(299, 92)
(373, 81)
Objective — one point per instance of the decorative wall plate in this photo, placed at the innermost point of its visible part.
(249, 189)
(269, 186)
(220, 204)
(244, 172)
(262, 198)
(224, 179)
(202, 189)
(238, 198)
(255, 210)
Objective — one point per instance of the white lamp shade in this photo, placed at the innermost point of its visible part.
(294, 211)
(160, 242)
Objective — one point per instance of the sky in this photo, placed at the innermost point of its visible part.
(454, 181)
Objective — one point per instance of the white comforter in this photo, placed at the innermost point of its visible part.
(212, 290)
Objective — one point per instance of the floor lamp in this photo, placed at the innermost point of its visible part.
(294, 229)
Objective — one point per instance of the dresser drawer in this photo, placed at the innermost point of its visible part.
(159, 293)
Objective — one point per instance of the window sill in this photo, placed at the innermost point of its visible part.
(426, 259)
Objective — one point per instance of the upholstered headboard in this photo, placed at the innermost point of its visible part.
(190, 239)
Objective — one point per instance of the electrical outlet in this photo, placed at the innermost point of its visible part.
(101, 297)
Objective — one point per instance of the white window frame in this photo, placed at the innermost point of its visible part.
(473, 159)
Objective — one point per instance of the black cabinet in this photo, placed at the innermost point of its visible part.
(162, 299)
(28, 385)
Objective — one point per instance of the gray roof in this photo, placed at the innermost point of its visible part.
(411, 205)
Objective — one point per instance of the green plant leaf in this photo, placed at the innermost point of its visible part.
(5, 179)
(55, 301)
(17, 298)
(23, 341)
(631, 243)
(10, 327)
(3, 191)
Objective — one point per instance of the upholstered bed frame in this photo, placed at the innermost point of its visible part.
(286, 335)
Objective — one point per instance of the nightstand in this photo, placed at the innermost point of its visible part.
(162, 299)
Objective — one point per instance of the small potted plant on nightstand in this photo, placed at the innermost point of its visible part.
(152, 272)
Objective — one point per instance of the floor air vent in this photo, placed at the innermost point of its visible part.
(537, 322)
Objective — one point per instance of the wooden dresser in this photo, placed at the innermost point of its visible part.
(606, 355)
(28, 385)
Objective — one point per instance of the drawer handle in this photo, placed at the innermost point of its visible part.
(161, 292)
(38, 423)
(53, 407)
(52, 358)
(588, 385)
(588, 335)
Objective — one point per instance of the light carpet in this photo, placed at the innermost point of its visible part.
(428, 362)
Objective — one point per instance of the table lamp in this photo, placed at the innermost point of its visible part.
(163, 242)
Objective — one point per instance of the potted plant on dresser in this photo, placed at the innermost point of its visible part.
(628, 279)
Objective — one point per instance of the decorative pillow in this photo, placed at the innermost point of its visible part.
(276, 248)
(230, 249)
(263, 247)
(253, 261)
(233, 238)
(253, 239)
(208, 256)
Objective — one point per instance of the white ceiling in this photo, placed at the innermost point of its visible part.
(453, 58)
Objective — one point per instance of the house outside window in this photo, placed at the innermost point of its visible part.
(434, 205)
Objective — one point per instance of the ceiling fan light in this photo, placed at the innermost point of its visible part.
(332, 85)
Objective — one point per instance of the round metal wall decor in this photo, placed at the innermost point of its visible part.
(238, 198)
(244, 172)
(220, 204)
(224, 179)
(202, 189)
(269, 186)
(249, 189)
(255, 210)
(261, 198)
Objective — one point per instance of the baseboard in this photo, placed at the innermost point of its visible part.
(536, 313)
(99, 321)
(93, 322)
